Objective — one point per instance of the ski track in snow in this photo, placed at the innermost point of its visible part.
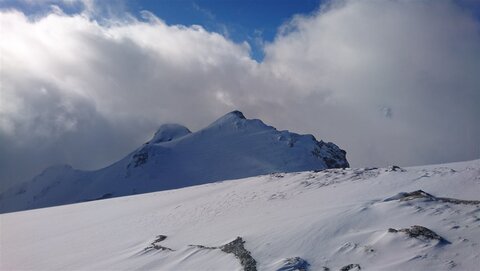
(336, 219)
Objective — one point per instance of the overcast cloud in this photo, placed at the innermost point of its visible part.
(391, 82)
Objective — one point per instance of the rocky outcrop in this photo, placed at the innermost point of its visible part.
(155, 245)
(333, 156)
(404, 196)
(351, 267)
(237, 248)
(294, 264)
(420, 232)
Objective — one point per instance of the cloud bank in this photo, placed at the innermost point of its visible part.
(392, 82)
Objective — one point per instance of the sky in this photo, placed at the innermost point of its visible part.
(86, 82)
(249, 20)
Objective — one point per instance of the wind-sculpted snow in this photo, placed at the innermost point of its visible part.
(169, 132)
(336, 219)
(231, 147)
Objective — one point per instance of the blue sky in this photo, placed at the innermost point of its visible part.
(250, 20)
(253, 21)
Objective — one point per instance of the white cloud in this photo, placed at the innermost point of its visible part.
(418, 58)
(78, 91)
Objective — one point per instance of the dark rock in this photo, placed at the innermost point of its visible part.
(202, 247)
(395, 168)
(459, 201)
(294, 264)
(237, 248)
(417, 194)
(104, 196)
(420, 232)
(140, 158)
(422, 194)
(160, 238)
(332, 155)
(155, 244)
(238, 114)
(351, 267)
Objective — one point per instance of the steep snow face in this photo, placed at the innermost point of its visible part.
(231, 147)
(336, 219)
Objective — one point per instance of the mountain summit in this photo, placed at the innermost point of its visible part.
(231, 147)
(169, 132)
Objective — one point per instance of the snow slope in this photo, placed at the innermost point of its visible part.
(336, 218)
(232, 147)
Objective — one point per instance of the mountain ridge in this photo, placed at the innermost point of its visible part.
(231, 147)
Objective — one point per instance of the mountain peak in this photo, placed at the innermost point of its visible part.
(168, 132)
(236, 119)
(237, 114)
(231, 116)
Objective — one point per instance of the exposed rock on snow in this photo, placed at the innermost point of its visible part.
(320, 178)
(424, 195)
(333, 156)
(155, 245)
(294, 264)
(395, 168)
(237, 248)
(202, 247)
(139, 158)
(353, 267)
(420, 232)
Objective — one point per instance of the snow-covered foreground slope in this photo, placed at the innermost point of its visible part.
(337, 218)
(232, 147)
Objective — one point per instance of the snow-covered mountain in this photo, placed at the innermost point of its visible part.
(422, 218)
(231, 147)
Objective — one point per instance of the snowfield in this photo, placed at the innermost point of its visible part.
(336, 219)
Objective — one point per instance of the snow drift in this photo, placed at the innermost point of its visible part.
(423, 218)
